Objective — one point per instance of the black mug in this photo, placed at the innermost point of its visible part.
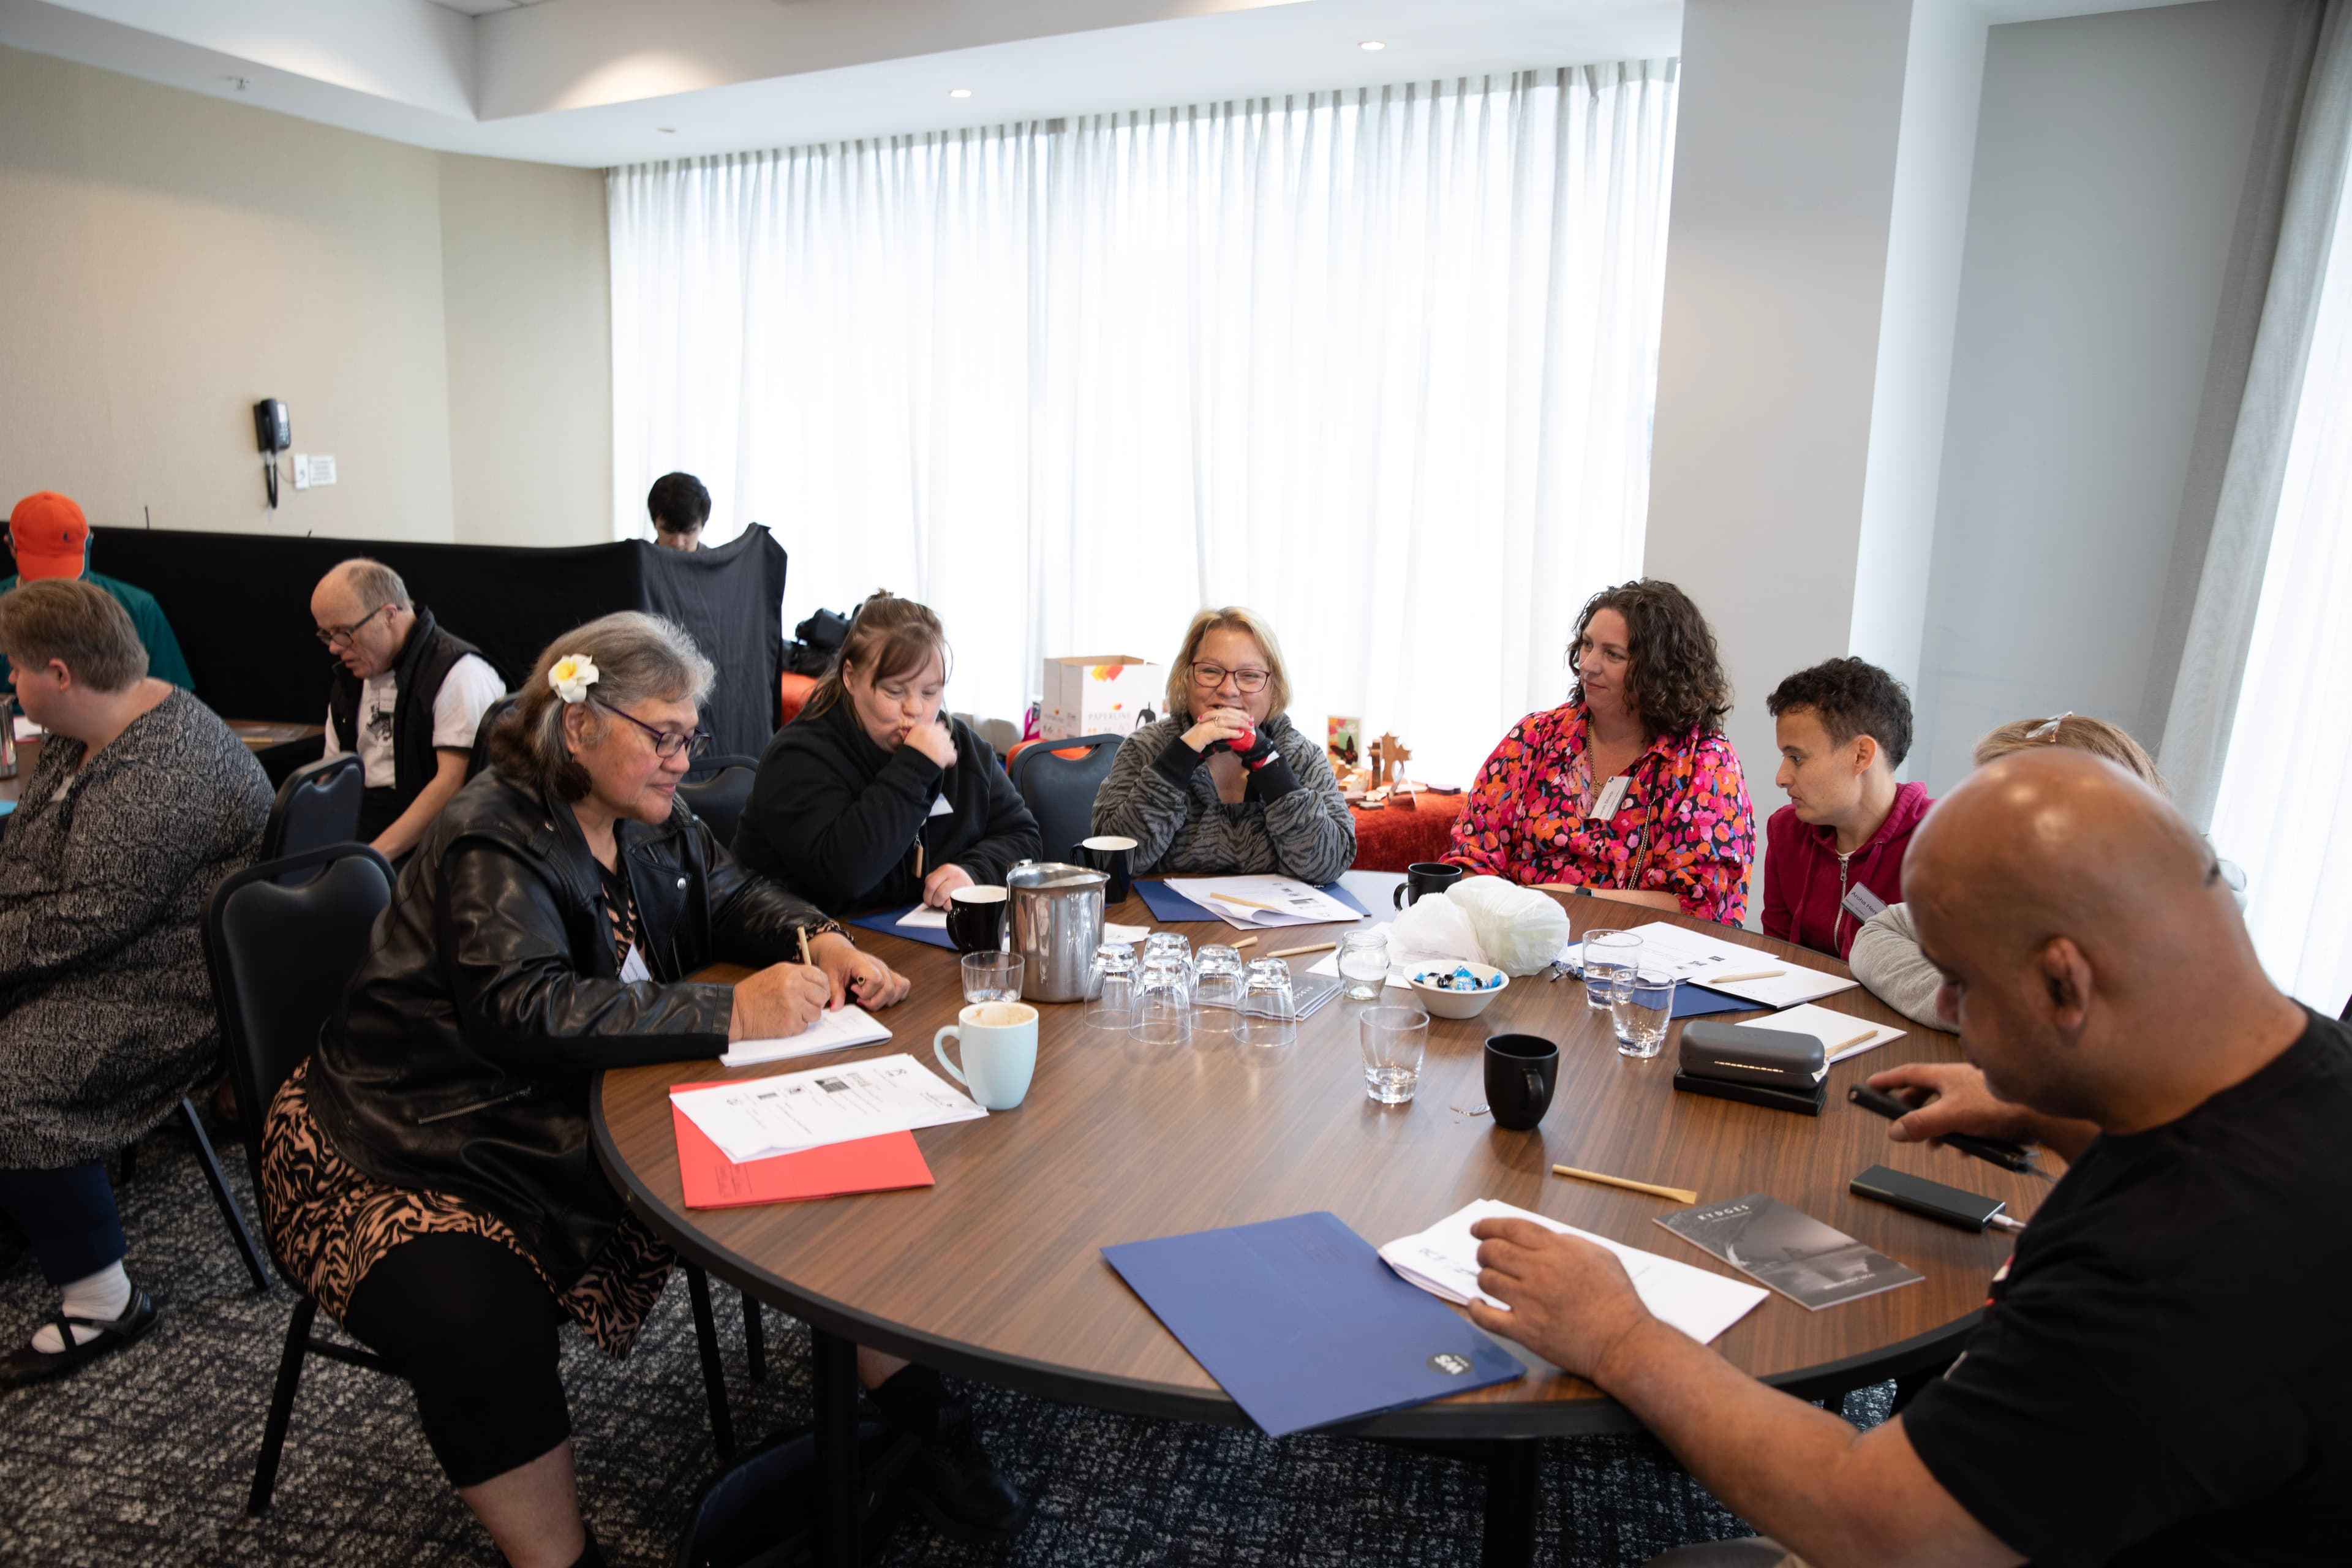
(1423, 878)
(1114, 857)
(976, 919)
(1521, 1072)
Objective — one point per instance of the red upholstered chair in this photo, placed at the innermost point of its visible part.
(795, 691)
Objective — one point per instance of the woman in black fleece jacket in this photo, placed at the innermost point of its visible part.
(872, 798)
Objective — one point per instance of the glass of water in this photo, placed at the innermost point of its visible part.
(1218, 981)
(1644, 1005)
(1269, 1015)
(1111, 1000)
(1607, 955)
(992, 977)
(1364, 963)
(1163, 1003)
(1394, 1040)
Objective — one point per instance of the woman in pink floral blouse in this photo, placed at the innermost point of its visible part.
(1630, 787)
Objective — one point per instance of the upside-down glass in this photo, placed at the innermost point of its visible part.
(1163, 1003)
(1364, 963)
(1168, 944)
(1394, 1039)
(1607, 955)
(1111, 1000)
(1218, 981)
(1643, 1008)
(992, 977)
(1269, 1011)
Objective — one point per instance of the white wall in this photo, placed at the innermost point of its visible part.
(166, 258)
(2112, 155)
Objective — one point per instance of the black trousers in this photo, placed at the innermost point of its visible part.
(472, 1327)
(68, 1216)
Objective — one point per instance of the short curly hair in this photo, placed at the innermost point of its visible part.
(1850, 696)
(1673, 674)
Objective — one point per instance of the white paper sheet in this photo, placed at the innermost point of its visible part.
(1113, 931)
(1691, 956)
(1836, 1031)
(27, 730)
(922, 917)
(764, 1116)
(1444, 1262)
(1288, 900)
(836, 1031)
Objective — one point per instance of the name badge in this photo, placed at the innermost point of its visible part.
(941, 808)
(1613, 795)
(1861, 902)
(633, 967)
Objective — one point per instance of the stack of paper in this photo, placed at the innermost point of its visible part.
(1444, 1262)
(1706, 961)
(710, 1180)
(763, 1116)
(1253, 903)
(923, 917)
(1841, 1035)
(847, 1025)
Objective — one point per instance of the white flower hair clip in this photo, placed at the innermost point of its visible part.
(572, 677)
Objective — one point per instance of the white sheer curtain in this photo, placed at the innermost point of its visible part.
(2284, 806)
(1377, 364)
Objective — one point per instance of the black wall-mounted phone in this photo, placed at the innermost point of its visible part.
(274, 429)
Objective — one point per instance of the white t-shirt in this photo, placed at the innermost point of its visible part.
(466, 694)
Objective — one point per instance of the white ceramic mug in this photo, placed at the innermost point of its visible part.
(999, 1044)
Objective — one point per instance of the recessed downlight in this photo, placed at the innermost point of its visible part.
(1371, 45)
(959, 92)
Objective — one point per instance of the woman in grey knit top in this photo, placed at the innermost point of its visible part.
(1226, 783)
(141, 802)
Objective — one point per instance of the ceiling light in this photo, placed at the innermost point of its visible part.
(667, 130)
(959, 92)
(1371, 45)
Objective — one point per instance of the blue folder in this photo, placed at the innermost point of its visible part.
(1697, 1002)
(1167, 904)
(887, 920)
(1303, 1324)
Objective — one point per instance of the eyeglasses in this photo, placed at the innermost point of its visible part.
(668, 743)
(2048, 729)
(1208, 677)
(331, 636)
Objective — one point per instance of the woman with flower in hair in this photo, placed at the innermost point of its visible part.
(427, 1174)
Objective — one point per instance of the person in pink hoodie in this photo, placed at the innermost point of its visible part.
(1833, 855)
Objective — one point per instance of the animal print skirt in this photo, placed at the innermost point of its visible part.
(330, 1222)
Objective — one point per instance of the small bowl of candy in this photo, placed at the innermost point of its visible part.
(1459, 991)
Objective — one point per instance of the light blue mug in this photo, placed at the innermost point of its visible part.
(999, 1044)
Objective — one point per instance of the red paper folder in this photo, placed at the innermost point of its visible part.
(712, 1181)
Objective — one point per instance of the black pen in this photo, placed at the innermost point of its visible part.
(1999, 1151)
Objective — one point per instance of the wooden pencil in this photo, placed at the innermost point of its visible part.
(1296, 951)
(804, 952)
(1680, 1195)
(1746, 974)
(1246, 942)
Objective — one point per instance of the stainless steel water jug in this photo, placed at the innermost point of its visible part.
(1057, 922)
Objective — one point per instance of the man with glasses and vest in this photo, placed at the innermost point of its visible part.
(406, 695)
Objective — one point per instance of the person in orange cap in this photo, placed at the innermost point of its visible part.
(51, 538)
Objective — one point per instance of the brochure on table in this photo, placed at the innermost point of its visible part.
(1258, 903)
(838, 1030)
(763, 1116)
(1704, 960)
(1444, 1262)
(708, 1179)
(1841, 1035)
(1790, 1250)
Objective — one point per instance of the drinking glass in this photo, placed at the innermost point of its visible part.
(992, 977)
(1111, 1000)
(1269, 1015)
(1608, 954)
(1219, 980)
(1364, 963)
(1168, 944)
(1163, 1003)
(1644, 1005)
(1393, 1039)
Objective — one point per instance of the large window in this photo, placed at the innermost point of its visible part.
(1377, 364)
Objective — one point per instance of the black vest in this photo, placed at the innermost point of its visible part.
(424, 661)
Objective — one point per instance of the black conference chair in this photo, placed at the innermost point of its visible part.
(317, 806)
(719, 799)
(232, 1215)
(1060, 791)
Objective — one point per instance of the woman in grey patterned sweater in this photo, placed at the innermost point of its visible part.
(1226, 783)
(141, 802)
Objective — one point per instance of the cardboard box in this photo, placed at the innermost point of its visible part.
(1100, 694)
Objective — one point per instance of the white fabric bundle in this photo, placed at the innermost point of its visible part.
(1518, 930)
(1432, 930)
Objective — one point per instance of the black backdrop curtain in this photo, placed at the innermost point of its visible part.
(240, 604)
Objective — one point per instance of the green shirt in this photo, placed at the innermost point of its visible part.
(165, 661)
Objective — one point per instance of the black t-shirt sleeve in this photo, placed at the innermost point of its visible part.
(2096, 1407)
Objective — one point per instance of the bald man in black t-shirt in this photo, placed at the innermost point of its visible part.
(2159, 1377)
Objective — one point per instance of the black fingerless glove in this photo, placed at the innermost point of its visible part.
(1177, 761)
(1270, 777)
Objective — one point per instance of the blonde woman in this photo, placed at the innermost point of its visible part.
(1226, 782)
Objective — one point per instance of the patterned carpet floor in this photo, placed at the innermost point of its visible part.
(145, 1458)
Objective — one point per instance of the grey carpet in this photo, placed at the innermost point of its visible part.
(145, 1457)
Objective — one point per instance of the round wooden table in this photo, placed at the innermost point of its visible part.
(997, 1271)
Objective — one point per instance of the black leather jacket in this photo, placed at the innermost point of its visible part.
(461, 1057)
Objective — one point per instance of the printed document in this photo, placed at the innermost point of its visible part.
(1689, 955)
(1444, 1262)
(1841, 1035)
(924, 918)
(835, 1031)
(796, 1110)
(1255, 903)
